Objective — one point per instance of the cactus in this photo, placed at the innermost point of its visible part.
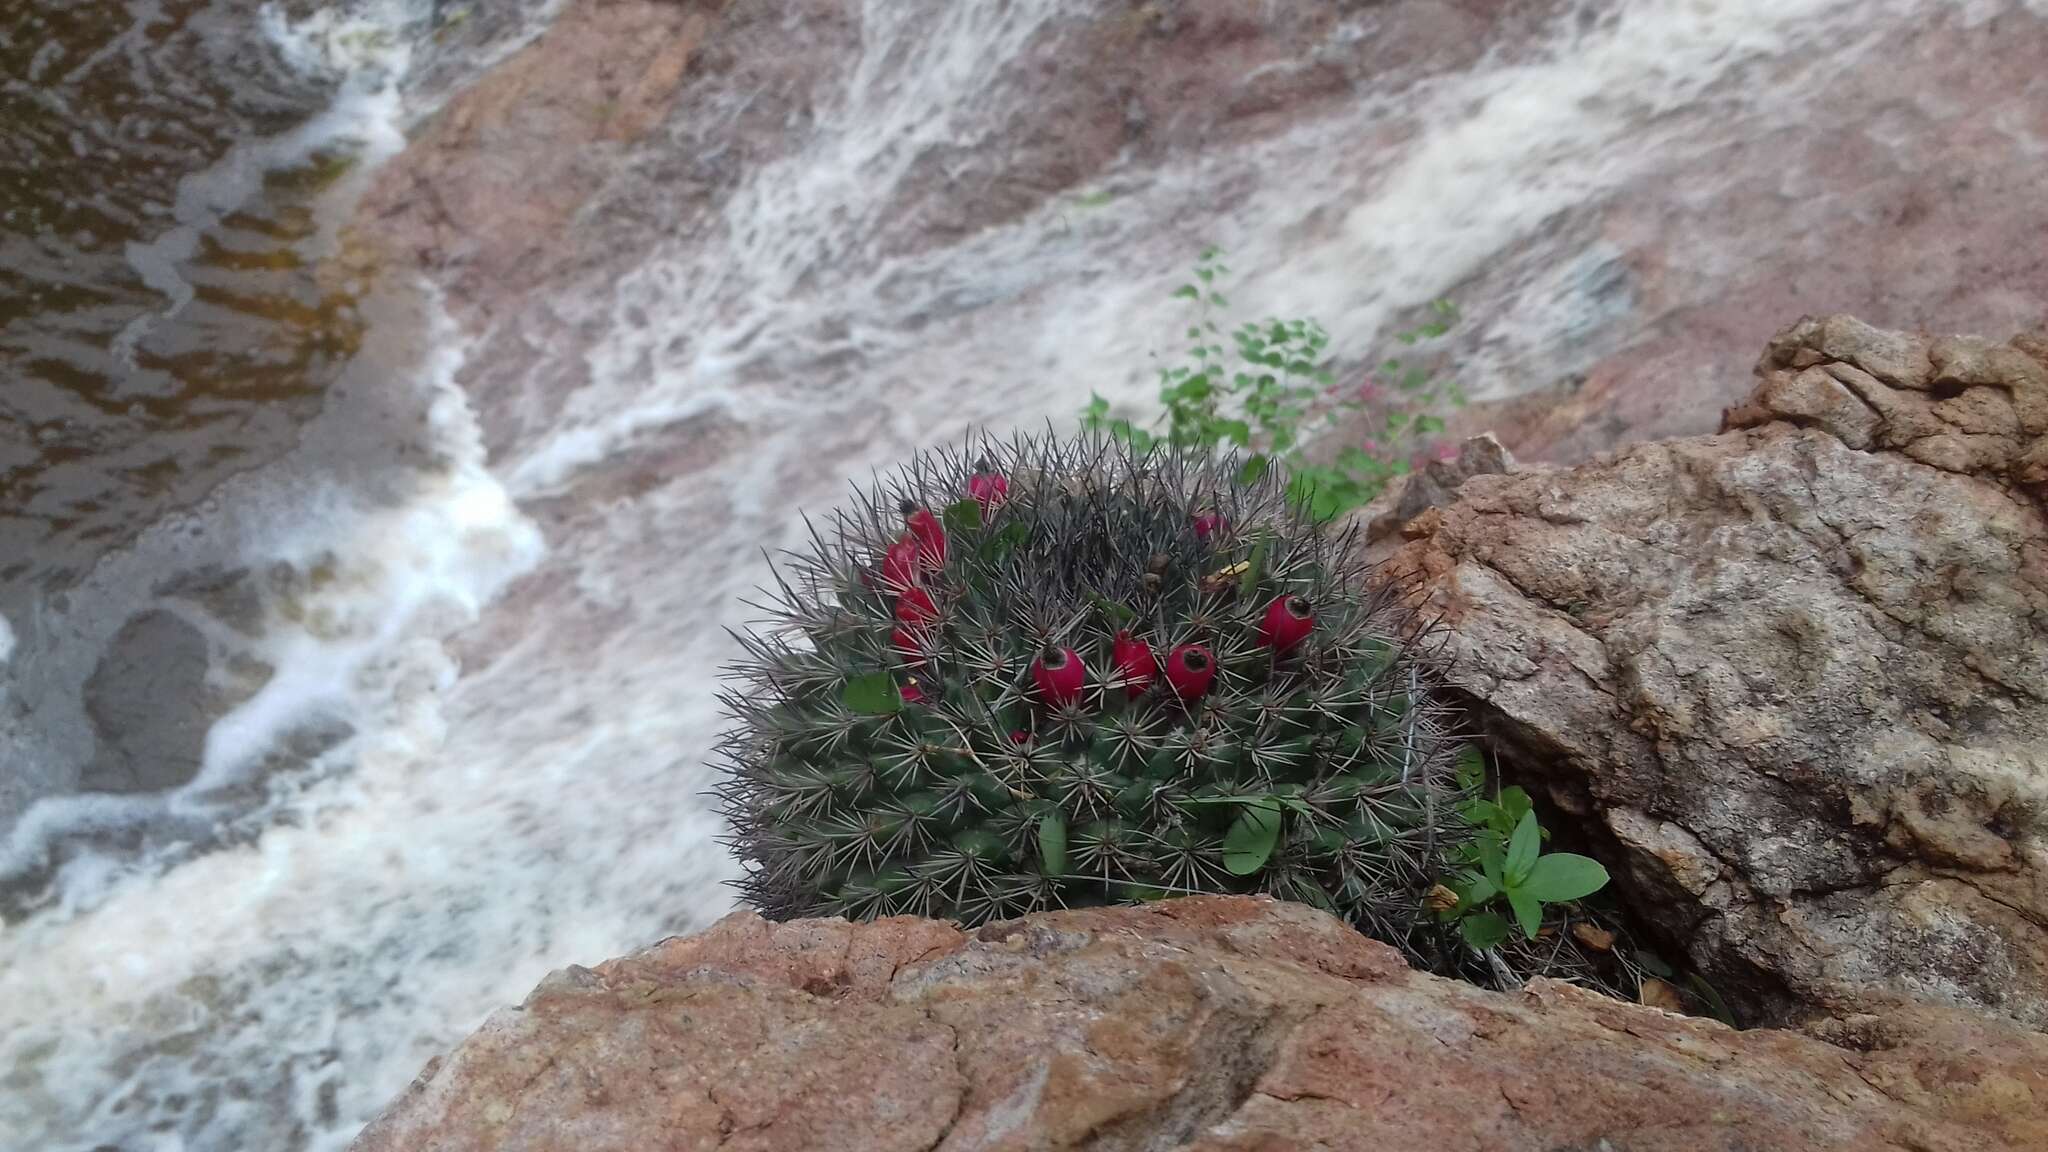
(1058, 673)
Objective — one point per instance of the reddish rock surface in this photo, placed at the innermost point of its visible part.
(1205, 1024)
(1797, 673)
(486, 189)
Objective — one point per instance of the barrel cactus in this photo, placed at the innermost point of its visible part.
(1052, 673)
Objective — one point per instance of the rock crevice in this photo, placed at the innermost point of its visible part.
(1796, 674)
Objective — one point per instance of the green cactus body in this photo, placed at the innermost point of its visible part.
(899, 760)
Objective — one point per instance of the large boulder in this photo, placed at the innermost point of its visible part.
(1794, 675)
(1215, 1023)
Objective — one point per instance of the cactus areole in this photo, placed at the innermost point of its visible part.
(975, 700)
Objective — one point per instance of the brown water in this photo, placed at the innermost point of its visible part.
(161, 323)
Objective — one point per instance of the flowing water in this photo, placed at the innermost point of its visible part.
(357, 654)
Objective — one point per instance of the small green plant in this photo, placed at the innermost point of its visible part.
(1268, 392)
(1504, 863)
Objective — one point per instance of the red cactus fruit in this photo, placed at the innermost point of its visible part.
(911, 693)
(1020, 736)
(1190, 669)
(900, 564)
(1135, 663)
(915, 607)
(908, 645)
(1289, 620)
(1060, 676)
(1208, 524)
(987, 487)
(930, 534)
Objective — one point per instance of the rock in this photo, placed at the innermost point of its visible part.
(1434, 486)
(1795, 675)
(1204, 1024)
(487, 185)
(151, 700)
(1913, 224)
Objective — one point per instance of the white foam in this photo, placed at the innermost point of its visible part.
(423, 568)
(353, 43)
(364, 643)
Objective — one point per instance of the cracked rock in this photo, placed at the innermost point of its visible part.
(1200, 1025)
(1797, 672)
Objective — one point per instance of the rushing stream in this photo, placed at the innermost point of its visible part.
(358, 643)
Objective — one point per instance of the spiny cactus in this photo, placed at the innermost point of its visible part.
(1057, 673)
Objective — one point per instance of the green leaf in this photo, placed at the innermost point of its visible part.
(1514, 804)
(1326, 503)
(1471, 767)
(1480, 892)
(1248, 582)
(1656, 964)
(1130, 434)
(1522, 849)
(1052, 842)
(1002, 543)
(963, 515)
(1115, 611)
(1715, 1004)
(1561, 876)
(1252, 837)
(1483, 930)
(1490, 859)
(1253, 468)
(1187, 292)
(1528, 911)
(1236, 431)
(874, 694)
